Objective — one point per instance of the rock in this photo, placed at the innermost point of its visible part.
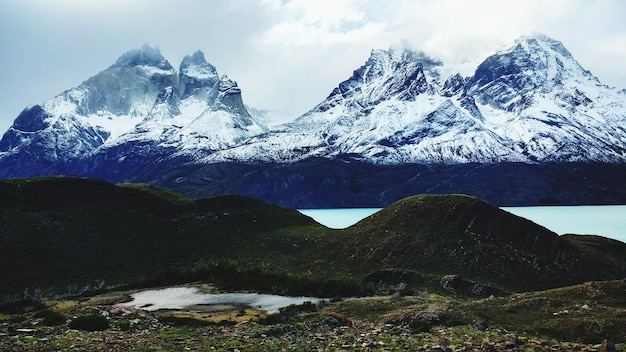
(441, 348)
(480, 325)
(342, 319)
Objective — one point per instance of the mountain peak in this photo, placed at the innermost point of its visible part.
(147, 55)
(387, 74)
(538, 42)
(197, 66)
(229, 98)
(198, 77)
(196, 58)
(534, 66)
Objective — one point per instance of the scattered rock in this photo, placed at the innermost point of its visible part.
(480, 325)
(460, 286)
(342, 319)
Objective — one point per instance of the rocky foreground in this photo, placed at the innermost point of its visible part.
(421, 322)
(302, 337)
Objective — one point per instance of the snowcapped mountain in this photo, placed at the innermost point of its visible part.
(528, 126)
(140, 104)
(530, 103)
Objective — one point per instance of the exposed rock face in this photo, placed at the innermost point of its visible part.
(198, 78)
(528, 110)
(530, 103)
(138, 110)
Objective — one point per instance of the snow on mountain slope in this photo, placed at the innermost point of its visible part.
(530, 103)
(203, 112)
(140, 99)
(553, 109)
(100, 109)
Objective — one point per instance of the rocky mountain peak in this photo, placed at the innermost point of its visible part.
(229, 98)
(534, 66)
(228, 86)
(145, 56)
(197, 58)
(196, 66)
(540, 41)
(386, 75)
(197, 77)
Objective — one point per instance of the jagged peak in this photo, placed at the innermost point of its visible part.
(228, 86)
(403, 53)
(407, 54)
(147, 55)
(197, 58)
(535, 42)
(198, 77)
(196, 66)
(229, 98)
(534, 58)
(397, 60)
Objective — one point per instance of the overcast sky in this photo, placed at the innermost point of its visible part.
(285, 55)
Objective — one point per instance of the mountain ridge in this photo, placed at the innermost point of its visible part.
(389, 112)
(141, 120)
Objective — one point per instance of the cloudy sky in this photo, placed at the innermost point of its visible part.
(285, 55)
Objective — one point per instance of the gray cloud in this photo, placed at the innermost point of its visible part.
(285, 55)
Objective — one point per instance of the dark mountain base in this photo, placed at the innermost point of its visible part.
(324, 183)
(67, 236)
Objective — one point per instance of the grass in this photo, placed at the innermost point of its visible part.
(65, 236)
(176, 333)
(230, 316)
(588, 313)
(241, 243)
(163, 193)
(525, 321)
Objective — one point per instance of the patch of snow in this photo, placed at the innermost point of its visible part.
(59, 106)
(151, 70)
(199, 72)
(181, 297)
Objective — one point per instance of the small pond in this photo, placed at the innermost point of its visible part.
(182, 297)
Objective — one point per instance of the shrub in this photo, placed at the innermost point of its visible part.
(91, 322)
(21, 306)
(418, 326)
(50, 317)
(123, 325)
(176, 333)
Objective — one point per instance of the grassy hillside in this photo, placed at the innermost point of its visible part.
(63, 235)
(457, 234)
(66, 233)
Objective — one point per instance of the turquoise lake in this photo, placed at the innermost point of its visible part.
(605, 220)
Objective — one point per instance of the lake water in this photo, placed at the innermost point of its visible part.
(605, 220)
(181, 297)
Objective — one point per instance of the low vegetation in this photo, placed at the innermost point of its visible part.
(587, 317)
(427, 268)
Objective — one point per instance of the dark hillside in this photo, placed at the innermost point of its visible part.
(348, 182)
(456, 234)
(65, 235)
(68, 233)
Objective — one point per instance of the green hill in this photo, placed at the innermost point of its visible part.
(457, 234)
(66, 235)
